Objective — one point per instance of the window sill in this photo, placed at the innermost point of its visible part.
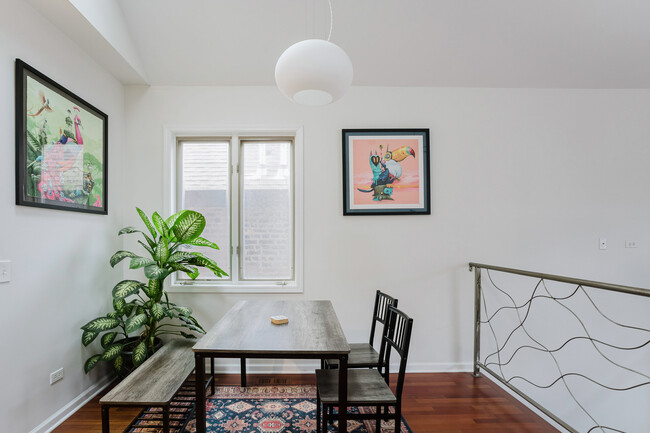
(233, 288)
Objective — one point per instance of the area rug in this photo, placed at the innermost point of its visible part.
(273, 409)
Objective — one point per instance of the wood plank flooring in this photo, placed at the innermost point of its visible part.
(432, 402)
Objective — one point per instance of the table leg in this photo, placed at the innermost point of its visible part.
(343, 394)
(243, 372)
(199, 371)
(212, 373)
(106, 427)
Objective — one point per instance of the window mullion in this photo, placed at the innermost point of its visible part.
(235, 170)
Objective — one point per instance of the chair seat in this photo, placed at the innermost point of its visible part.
(365, 387)
(361, 355)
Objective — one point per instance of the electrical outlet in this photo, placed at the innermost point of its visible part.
(5, 271)
(631, 244)
(602, 243)
(55, 376)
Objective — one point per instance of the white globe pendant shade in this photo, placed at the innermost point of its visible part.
(313, 72)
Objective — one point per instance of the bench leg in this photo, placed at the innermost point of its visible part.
(106, 427)
(165, 419)
(243, 372)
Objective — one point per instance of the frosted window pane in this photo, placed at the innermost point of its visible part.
(205, 188)
(267, 211)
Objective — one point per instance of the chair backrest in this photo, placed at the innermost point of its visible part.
(380, 312)
(397, 336)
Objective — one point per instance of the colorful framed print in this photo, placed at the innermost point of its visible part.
(61, 146)
(386, 172)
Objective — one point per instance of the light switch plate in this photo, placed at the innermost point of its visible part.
(5, 271)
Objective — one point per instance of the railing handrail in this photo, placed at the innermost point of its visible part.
(577, 281)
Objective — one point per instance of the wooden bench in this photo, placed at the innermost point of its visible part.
(154, 384)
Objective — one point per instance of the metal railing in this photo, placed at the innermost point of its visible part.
(551, 341)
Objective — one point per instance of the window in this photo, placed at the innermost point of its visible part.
(248, 185)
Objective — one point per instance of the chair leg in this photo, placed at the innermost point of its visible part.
(378, 419)
(318, 429)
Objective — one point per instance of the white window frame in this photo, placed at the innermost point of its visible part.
(171, 135)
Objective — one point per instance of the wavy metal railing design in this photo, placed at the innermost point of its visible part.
(497, 361)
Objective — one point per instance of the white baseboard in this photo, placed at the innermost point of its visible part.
(66, 411)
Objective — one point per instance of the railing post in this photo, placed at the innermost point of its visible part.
(477, 320)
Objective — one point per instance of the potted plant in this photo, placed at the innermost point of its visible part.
(142, 311)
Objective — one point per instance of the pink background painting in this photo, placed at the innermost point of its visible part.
(406, 190)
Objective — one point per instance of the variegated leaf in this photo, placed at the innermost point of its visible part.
(201, 260)
(119, 256)
(91, 363)
(156, 272)
(160, 224)
(185, 311)
(152, 290)
(161, 252)
(188, 226)
(193, 328)
(139, 353)
(88, 336)
(118, 363)
(140, 262)
(101, 324)
(135, 322)
(192, 324)
(172, 219)
(179, 256)
(128, 230)
(196, 323)
(112, 352)
(113, 315)
(202, 242)
(146, 247)
(158, 311)
(126, 288)
(188, 336)
(108, 338)
(146, 221)
(119, 304)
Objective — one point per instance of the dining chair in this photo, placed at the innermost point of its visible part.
(364, 355)
(368, 387)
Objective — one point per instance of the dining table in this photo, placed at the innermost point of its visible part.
(313, 331)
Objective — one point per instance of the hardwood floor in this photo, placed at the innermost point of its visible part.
(432, 402)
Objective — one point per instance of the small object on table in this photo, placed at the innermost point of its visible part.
(279, 320)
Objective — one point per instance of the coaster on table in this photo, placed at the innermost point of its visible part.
(279, 320)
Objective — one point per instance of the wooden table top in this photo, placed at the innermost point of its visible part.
(313, 330)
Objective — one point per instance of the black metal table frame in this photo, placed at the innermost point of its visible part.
(201, 356)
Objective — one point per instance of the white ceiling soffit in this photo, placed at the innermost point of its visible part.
(99, 28)
(439, 43)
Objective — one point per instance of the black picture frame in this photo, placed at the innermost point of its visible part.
(61, 162)
(373, 185)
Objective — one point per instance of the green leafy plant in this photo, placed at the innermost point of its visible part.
(143, 310)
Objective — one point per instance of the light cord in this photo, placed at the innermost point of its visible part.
(331, 21)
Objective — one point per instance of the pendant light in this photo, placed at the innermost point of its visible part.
(314, 71)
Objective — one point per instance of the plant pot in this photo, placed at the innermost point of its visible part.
(127, 354)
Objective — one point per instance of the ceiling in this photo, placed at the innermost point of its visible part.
(468, 43)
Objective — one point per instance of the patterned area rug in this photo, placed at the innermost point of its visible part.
(274, 409)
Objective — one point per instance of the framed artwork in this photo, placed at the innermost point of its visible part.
(386, 172)
(61, 146)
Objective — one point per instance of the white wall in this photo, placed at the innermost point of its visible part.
(520, 178)
(60, 272)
